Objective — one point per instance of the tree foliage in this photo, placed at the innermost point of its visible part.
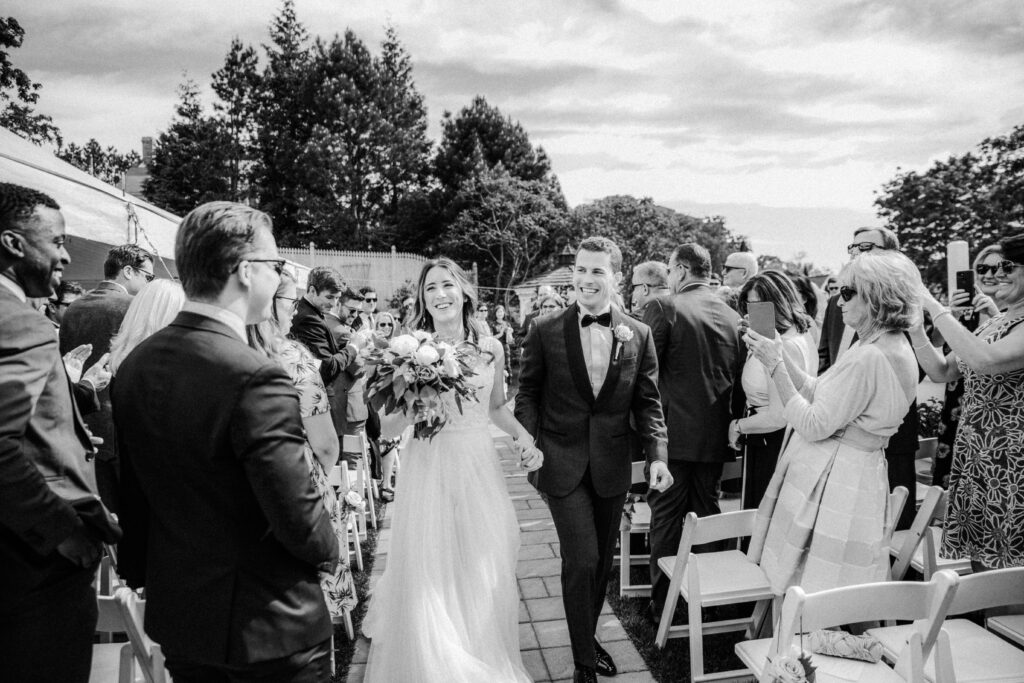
(648, 232)
(109, 165)
(237, 86)
(19, 93)
(977, 197)
(191, 160)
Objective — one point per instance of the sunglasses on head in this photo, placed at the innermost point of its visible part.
(1004, 267)
(862, 246)
(847, 293)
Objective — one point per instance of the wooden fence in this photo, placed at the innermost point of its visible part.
(385, 271)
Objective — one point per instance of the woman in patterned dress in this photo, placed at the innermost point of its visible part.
(321, 449)
(985, 519)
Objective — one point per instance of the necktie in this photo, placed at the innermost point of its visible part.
(604, 320)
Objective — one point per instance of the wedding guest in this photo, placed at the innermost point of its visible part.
(52, 525)
(366, 316)
(386, 326)
(549, 304)
(504, 331)
(823, 521)
(650, 280)
(808, 300)
(321, 446)
(153, 309)
(700, 358)
(764, 426)
(481, 315)
(65, 294)
(95, 319)
(215, 475)
(986, 485)
(739, 267)
(972, 309)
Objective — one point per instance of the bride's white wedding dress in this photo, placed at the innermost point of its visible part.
(446, 609)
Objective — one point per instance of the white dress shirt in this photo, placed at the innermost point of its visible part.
(597, 350)
(14, 287)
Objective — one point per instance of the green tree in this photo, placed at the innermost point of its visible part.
(191, 160)
(977, 197)
(109, 165)
(645, 231)
(237, 86)
(19, 93)
(507, 225)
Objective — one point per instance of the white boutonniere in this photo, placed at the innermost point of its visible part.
(623, 334)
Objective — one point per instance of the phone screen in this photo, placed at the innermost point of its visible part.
(761, 315)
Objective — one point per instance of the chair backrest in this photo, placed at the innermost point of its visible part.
(700, 530)
(147, 653)
(985, 590)
(111, 620)
(925, 603)
(932, 506)
(354, 443)
(897, 499)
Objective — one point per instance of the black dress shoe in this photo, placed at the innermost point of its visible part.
(654, 614)
(603, 661)
(584, 674)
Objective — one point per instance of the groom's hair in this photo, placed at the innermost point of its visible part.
(606, 246)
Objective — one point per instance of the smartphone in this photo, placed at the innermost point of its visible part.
(761, 315)
(965, 281)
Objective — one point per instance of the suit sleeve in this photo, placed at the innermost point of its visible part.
(824, 356)
(647, 412)
(313, 334)
(531, 381)
(87, 398)
(654, 318)
(28, 507)
(267, 435)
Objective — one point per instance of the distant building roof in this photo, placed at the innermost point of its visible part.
(559, 277)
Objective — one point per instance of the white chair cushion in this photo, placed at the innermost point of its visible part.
(1009, 626)
(977, 654)
(106, 662)
(754, 654)
(725, 578)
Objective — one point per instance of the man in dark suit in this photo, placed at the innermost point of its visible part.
(324, 288)
(222, 523)
(700, 357)
(52, 525)
(836, 338)
(650, 280)
(585, 372)
(95, 319)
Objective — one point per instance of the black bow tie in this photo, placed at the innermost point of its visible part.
(604, 320)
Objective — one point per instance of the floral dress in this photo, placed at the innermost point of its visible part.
(339, 588)
(985, 520)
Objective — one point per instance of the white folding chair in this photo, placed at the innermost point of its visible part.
(975, 655)
(636, 519)
(709, 580)
(917, 546)
(1009, 626)
(365, 485)
(148, 654)
(804, 613)
(338, 478)
(140, 659)
(111, 661)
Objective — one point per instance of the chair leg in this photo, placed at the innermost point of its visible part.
(355, 542)
(671, 600)
(349, 628)
(126, 667)
(625, 561)
(696, 639)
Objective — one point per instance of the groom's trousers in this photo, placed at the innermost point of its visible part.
(587, 526)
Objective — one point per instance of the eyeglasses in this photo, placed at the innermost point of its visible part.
(385, 325)
(294, 302)
(862, 246)
(370, 301)
(726, 269)
(847, 293)
(1004, 267)
(144, 273)
(277, 264)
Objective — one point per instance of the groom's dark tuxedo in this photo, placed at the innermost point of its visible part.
(584, 433)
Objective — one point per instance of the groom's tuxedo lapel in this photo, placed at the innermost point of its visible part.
(611, 378)
(574, 351)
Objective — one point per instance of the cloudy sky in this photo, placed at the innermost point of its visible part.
(784, 117)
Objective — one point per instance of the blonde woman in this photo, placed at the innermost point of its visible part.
(152, 309)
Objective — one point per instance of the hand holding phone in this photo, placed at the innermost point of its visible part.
(761, 315)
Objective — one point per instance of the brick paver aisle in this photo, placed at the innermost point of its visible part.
(543, 633)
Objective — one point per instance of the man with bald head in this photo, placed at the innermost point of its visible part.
(650, 280)
(739, 267)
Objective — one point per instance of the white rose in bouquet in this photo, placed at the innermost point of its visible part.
(422, 335)
(404, 345)
(426, 355)
(451, 365)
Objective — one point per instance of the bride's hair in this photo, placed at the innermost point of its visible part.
(422, 320)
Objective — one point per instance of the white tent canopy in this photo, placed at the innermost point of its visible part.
(97, 215)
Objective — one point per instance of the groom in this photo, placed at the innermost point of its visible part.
(585, 372)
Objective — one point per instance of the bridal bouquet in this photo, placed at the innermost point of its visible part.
(415, 373)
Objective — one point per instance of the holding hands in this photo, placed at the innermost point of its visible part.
(530, 457)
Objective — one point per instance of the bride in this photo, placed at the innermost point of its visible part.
(446, 608)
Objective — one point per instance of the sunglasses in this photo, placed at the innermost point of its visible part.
(276, 263)
(386, 325)
(144, 273)
(1004, 267)
(372, 301)
(862, 246)
(847, 293)
(832, 288)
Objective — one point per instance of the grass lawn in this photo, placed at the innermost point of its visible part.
(672, 664)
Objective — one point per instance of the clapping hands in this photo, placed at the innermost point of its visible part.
(98, 375)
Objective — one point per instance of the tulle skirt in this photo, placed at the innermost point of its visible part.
(446, 608)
